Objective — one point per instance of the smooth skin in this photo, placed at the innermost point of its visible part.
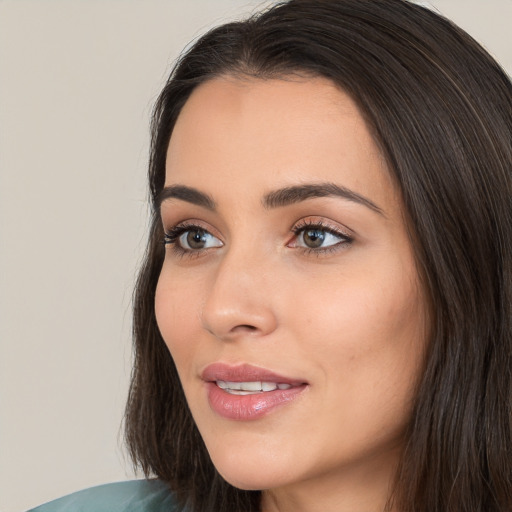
(323, 289)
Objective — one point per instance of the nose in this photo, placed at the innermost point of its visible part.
(239, 301)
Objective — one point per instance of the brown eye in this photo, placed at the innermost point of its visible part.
(318, 238)
(313, 238)
(196, 239)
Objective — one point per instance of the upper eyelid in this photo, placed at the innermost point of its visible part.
(190, 224)
(341, 235)
(321, 225)
(183, 227)
(331, 226)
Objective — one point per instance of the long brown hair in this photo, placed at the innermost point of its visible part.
(440, 109)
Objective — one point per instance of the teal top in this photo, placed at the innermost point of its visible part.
(131, 496)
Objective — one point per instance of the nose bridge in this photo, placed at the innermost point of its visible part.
(238, 299)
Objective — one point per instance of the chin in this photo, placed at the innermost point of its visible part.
(249, 480)
(251, 475)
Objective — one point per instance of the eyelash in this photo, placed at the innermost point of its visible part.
(172, 236)
(306, 225)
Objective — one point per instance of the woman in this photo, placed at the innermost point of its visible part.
(322, 321)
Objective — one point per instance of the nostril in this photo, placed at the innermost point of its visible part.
(246, 327)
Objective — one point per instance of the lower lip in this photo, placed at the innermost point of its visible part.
(249, 407)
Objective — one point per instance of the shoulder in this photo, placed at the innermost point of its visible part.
(131, 496)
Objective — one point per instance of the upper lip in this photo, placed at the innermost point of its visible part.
(245, 373)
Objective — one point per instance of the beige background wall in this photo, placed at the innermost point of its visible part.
(77, 82)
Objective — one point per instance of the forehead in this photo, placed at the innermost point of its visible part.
(262, 134)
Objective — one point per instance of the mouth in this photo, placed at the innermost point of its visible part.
(246, 392)
(250, 388)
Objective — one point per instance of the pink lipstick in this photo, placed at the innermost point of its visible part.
(246, 392)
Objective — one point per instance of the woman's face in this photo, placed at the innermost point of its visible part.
(288, 263)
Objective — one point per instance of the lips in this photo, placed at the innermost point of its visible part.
(246, 392)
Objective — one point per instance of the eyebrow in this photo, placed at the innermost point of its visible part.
(188, 194)
(275, 199)
(298, 193)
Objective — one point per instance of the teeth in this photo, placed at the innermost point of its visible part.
(228, 385)
(248, 388)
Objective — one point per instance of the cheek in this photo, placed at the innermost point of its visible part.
(363, 313)
(370, 336)
(175, 313)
